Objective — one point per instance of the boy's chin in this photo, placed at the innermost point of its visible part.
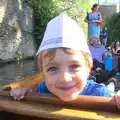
(69, 98)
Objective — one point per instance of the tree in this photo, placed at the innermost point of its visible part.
(113, 24)
(44, 10)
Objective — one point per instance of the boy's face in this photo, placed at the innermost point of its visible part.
(66, 74)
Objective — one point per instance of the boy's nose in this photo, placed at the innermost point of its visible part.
(65, 76)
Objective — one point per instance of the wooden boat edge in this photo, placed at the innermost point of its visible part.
(43, 103)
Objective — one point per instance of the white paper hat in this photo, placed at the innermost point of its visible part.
(62, 31)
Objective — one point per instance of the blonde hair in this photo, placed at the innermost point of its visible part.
(51, 54)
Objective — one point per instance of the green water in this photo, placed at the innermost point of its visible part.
(15, 71)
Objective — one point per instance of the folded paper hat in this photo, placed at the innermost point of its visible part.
(62, 31)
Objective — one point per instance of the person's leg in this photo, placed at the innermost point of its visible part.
(97, 64)
(104, 41)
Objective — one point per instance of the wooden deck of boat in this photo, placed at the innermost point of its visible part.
(12, 116)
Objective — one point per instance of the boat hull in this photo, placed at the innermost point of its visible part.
(50, 107)
(30, 110)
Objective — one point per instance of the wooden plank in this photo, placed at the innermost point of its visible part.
(88, 102)
(12, 116)
(30, 108)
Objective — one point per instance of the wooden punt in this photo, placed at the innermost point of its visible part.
(47, 106)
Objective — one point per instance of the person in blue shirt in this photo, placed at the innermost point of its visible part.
(65, 61)
(98, 52)
(104, 36)
(94, 20)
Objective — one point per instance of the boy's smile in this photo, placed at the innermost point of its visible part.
(66, 74)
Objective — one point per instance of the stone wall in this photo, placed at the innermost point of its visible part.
(16, 28)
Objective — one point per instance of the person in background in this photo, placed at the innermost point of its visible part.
(116, 55)
(94, 20)
(102, 61)
(65, 62)
(98, 52)
(104, 36)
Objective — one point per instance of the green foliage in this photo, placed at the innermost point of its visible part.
(44, 10)
(113, 24)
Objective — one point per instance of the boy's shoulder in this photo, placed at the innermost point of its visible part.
(92, 89)
(95, 89)
(42, 88)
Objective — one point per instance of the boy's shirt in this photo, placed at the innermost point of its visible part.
(91, 89)
(42, 88)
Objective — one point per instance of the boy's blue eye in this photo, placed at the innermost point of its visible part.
(75, 67)
(51, 69)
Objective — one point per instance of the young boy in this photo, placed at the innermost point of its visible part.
(65, 61)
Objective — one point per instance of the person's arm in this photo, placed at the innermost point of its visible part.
(86, 20)
(97, 21)
(104, 33)
(104, 56)
(99, 18)
(114, 52)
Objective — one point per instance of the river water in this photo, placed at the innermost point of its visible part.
(14, 71)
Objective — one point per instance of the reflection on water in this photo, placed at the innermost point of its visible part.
(10, 72)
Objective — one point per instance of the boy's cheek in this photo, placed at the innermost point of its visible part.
(81, 81)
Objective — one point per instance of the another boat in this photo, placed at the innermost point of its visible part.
(47, 106)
